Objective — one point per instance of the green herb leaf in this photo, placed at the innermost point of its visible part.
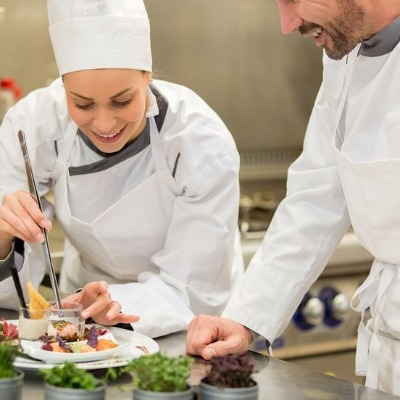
(7, 356)
(159, 372)
(70, 376)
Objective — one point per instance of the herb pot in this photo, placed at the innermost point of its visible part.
(139, 394)
(62, 393)
(211, 392)
(10, 388)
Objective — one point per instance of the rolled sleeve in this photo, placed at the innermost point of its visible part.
(14, 259)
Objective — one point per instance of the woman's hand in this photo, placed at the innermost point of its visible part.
(20, 216)
(98, 304)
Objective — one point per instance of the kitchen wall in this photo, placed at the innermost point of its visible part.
(25, 48)
(231, 52)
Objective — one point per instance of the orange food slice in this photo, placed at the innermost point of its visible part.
(37, 303)
(105, 344)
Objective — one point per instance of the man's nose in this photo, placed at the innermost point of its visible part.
(290, 21)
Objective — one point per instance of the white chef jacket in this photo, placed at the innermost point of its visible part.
(192, 268)
(348, 173)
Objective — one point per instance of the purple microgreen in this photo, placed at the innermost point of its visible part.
(92, 337)
(62, 343)
(46, 342)
(231, 370)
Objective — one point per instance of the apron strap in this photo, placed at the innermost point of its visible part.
(374, 288)
(64, 151)
(162, 103)
(337, 137)
(157, 123)
(366, 293)
(156, 146)
(362, 299)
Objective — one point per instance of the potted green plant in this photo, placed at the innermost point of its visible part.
(159, 376)
(10, 379)
(229, 377)
(68, 382)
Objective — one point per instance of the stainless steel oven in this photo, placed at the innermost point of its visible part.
(322, 332)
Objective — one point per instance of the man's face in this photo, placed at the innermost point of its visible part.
(335, 25)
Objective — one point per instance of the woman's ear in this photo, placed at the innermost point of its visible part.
(149, 76)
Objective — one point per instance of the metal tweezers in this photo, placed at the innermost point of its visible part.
(34, 193)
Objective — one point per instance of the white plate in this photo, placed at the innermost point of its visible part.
(33, 349)
(131, 345)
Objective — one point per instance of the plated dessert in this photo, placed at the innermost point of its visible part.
(69, 339)
(97, 344)
(96, 338)
(130, 345)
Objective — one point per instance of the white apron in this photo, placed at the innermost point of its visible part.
(374, 209)
(112, 246)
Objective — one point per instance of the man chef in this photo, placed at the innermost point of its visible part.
(348, 174)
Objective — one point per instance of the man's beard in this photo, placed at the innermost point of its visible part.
(342, 43)
(342, 35)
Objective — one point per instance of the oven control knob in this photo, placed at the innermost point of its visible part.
(337, 306)
(310, 313)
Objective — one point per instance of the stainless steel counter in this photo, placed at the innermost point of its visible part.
(277, 379)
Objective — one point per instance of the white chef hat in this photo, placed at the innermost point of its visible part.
(92, 34)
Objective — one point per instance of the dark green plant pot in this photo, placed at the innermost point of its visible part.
(10, 388)
(60, 393)
(210, 392)
(139, 394)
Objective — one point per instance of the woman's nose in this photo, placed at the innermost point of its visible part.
(104, 122)
(290, 21)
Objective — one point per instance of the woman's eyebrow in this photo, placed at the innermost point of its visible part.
(120, 93)
(112, 97)
(80, 96)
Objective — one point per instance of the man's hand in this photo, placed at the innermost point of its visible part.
(98, 304)
(215, 336)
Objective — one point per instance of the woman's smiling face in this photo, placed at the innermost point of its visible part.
(108, 105)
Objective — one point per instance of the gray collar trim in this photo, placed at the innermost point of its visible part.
(110, 160)
(135, 147)
(383, 42)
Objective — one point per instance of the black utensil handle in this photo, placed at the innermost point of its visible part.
(18, 288)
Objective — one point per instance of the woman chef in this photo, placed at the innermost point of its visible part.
(144, 173)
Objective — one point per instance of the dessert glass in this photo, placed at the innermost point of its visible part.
(32, 323)
(67, 322)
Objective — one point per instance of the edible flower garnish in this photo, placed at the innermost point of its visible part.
(94, 340)
(92, 337)
(47, 343)
(8, 331)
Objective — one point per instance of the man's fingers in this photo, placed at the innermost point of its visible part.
(223, 347)
(210, 336)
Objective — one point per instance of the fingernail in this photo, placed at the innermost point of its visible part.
(208, 353)
(40, 238)
(86, 314)
(45, 223)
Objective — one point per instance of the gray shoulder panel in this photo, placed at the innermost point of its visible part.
(383, 42)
